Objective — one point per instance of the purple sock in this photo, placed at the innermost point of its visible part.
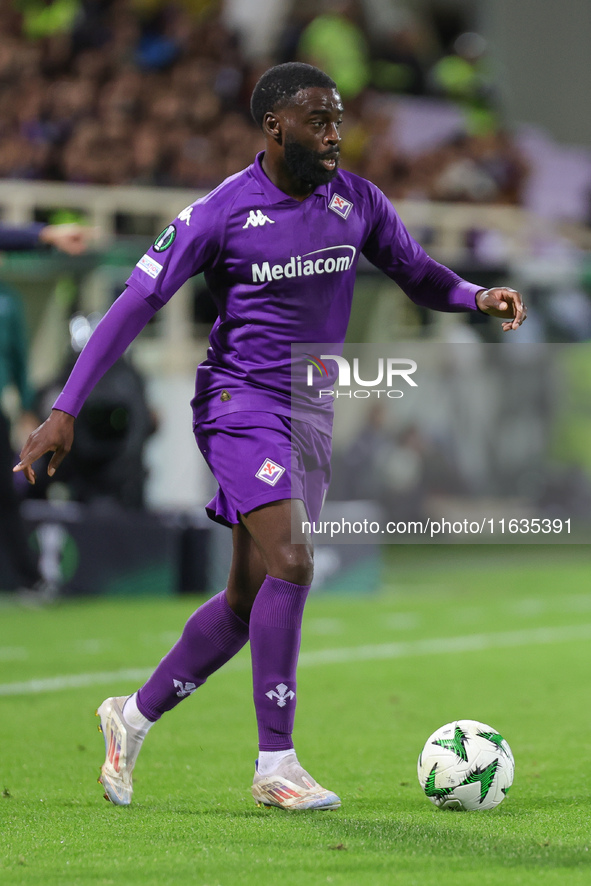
(275, 634)
(210, 638)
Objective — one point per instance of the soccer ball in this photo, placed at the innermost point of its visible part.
(466, 765)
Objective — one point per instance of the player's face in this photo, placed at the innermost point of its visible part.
(311, 127)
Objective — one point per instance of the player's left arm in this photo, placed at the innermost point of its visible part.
(504, 303)
(391, 248)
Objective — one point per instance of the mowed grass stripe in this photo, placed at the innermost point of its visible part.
(435, 646)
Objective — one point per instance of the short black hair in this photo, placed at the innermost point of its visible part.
(280, 84)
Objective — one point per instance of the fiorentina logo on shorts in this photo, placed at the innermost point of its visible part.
(341, 206)
(270, 472)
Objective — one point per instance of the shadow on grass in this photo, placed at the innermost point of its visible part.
(501, 837)
(550, 833)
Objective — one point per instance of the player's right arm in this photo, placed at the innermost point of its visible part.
(187, 246)
(120, 325)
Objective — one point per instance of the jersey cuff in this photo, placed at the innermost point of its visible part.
(153, 300)
(68, 404)
(463, 296)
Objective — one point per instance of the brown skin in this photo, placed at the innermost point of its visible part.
(262, 541)
(313, 119)
(504, 303)
(72, 239)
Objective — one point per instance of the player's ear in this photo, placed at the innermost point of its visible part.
(272, 126)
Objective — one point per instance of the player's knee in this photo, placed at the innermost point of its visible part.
(240, 594)
(293, 563)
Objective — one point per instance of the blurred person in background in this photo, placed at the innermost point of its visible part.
(279, 245)
(400, 52)
(465, 77)
(73, 240)
(484, 168)
(106, 465)
(335, 41)
(16, 553)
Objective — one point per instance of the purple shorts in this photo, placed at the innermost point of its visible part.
(259, 457)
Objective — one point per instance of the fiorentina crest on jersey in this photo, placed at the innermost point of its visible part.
(341, 206)
(270, 472)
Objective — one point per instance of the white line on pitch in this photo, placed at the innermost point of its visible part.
(73, 681)
(438, 645)
(434, 646)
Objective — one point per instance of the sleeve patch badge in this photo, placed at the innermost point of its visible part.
(341, 206)
(149, 266)
(165, 240)
(270, 472)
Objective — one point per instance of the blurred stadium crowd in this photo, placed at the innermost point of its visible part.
(154, 92)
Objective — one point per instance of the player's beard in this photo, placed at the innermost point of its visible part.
(305, 164)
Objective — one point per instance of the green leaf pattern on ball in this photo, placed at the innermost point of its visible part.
(431, 790)
(494, 738)
(485, 776)
(455, 744)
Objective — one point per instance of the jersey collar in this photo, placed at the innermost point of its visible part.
(274, 194)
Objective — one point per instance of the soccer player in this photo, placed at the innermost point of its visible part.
(279, 244)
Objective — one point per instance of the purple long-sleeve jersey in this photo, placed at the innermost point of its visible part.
(281, 271)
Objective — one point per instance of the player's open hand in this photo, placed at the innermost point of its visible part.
(54, 435)
(504, 303)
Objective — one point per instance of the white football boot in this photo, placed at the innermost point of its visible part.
(291, 787)
(122, 745)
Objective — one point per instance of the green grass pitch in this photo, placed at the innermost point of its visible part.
(459, 632)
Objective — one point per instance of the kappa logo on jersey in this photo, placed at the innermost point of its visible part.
(270, 472)
(185, 215)
(341, 206)
(257, 219)
(149, 266)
